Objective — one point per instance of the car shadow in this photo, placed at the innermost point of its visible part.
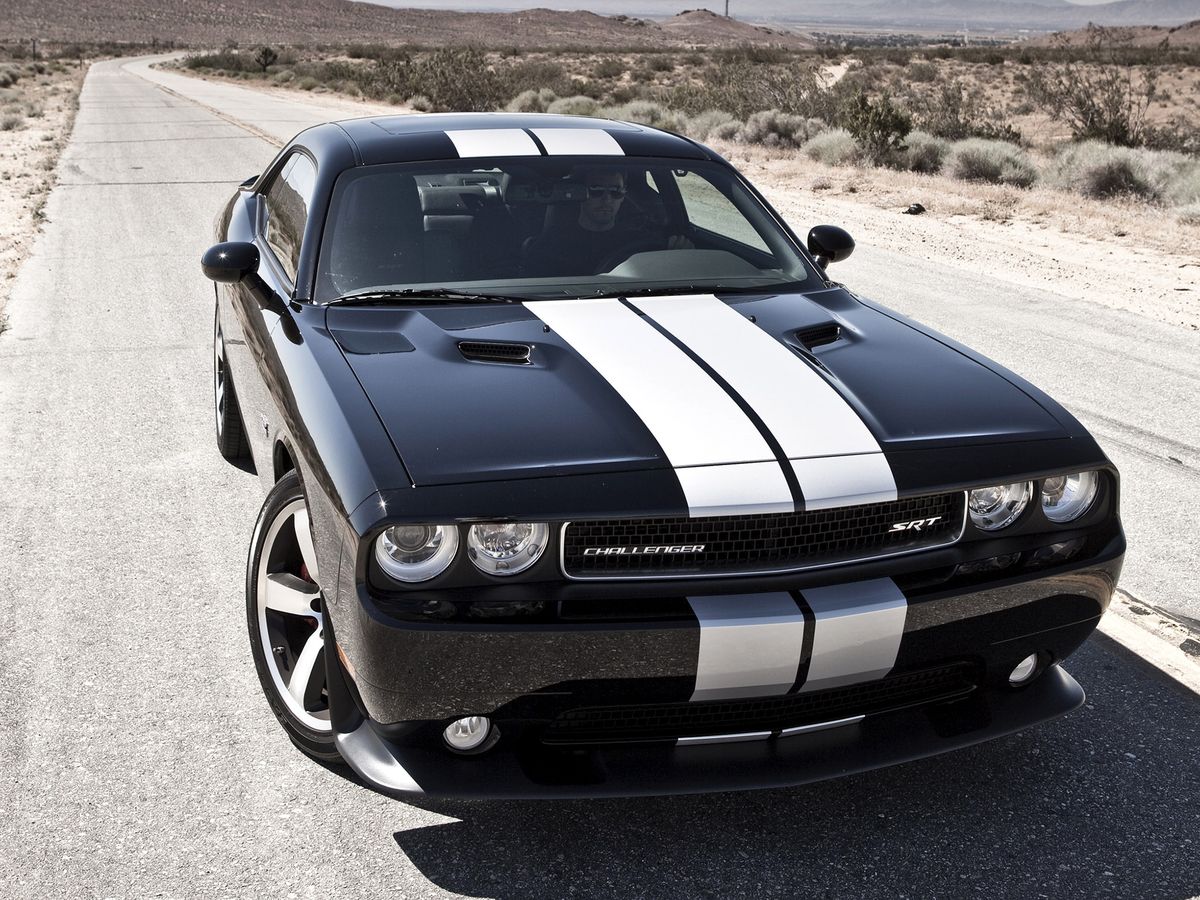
(1098, 803)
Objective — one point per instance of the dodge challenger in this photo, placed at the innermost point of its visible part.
(584, 478)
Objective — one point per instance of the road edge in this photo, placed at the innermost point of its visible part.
(1123, 625)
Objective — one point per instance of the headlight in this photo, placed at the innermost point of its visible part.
(994, 507)
(416, 552)
(506, 548)
(1067, 497)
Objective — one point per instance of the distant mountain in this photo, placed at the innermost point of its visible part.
(210, 23)
(1008, 15)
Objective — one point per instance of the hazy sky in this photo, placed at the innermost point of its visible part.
(615, 7)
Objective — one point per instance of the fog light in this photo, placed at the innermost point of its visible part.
(1024, 671)
(468, 733)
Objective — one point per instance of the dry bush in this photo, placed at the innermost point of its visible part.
(994, 162)
(1096, 169)
(1189, 215)
(573, 106)
(11, 123)
(646, 112)
(532, 101)
(608, 68)
(877, 126)
(835, 147)
(725, 131)
(921, 72)
(773, 128)
(1099, 92)
(923, 152)
(702, 126)
(420, 103)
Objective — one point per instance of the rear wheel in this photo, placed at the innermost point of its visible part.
(231, 433)
(285, 615)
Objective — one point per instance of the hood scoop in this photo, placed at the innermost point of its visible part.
(496, 352)
(818, 335)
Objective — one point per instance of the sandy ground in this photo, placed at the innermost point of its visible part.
(42, 109)
(1124, 254)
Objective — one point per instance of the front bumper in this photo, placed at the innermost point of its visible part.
(636, 770)
(595, 645)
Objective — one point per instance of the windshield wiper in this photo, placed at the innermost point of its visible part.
(437, 293)
(777, 288)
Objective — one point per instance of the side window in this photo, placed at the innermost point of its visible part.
(288, 200)
(708, 208)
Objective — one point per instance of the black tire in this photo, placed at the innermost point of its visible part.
(231, 432)
(292, 611)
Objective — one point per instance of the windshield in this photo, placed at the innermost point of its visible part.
(546, 227)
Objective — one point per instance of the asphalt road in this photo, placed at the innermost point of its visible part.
(139, 758)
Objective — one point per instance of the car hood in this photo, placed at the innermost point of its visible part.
(459, 408)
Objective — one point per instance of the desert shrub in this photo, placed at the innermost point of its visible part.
(745, 88)
(229, 60)
(952, 111)
(420, 103)
(532, 100)
(660, 63)
(835, 147)
(693, 60)
(574, 106)
(702, 126)
(1098, 91)
(1096, 169)
(11, 122)
(458, 79)
(921, 72)
(646, 112)
(609, 68)
(1189, 215)
(994, 162)
(283, 76)
(9, 76)
(773, 128)
(306, 83)
(34, 110)
(534, 75)
(923, 152)
(877, 126)
(346, 86)
(265, 57)
(725, 131)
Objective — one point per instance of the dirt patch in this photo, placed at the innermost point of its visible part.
(37, 111)
(1121, 253)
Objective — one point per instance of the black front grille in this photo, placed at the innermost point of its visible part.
(738, 545)
(667, 721)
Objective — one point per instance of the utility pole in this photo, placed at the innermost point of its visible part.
(727, 9)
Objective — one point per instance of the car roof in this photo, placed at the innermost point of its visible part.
(432, 136)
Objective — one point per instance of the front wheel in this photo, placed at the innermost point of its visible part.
(285, 615)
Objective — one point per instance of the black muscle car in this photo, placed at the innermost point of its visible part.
(585, 479)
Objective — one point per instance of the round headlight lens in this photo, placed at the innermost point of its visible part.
(1067, 497)
(416, 552)
(506, 548)
(992, 508)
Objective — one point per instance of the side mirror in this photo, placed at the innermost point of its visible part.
(829, 244)
(230, 262)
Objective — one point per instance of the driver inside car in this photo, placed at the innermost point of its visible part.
(597, 238)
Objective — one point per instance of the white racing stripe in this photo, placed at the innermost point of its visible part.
(837, 460)
(493, 142)
(831, 481)
(578, 142)
(857, 633)
(750, 645)
(695, 422)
